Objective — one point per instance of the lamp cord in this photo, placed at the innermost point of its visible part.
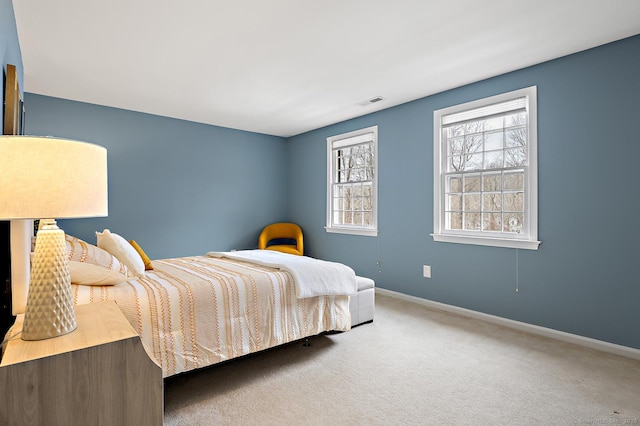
(379, 262)
(517, 272)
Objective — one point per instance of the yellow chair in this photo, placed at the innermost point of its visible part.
(282, 231)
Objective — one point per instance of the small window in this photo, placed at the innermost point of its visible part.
(352, 176)
(485, 171)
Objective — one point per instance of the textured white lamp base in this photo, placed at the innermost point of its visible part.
(49, 312)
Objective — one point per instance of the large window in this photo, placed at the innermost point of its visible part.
(485, 171)
(352, 177)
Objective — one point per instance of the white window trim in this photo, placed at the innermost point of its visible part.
(346, 229)
(440, 234)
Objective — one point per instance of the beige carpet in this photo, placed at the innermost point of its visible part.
(413, 366)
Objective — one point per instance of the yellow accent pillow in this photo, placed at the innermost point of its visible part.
(145, 259)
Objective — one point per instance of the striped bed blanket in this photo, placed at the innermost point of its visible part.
(196, 311)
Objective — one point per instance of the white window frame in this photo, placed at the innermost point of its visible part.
(344, 140)
(528, 237)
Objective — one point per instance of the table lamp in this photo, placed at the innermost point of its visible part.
(45, 178)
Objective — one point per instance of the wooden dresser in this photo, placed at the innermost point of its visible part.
(99, 374)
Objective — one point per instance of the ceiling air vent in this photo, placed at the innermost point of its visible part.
(370, 101)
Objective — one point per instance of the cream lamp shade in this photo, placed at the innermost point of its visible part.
(46, 178)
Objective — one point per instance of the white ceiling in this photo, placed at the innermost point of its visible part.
(283, 67)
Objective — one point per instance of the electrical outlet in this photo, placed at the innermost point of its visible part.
(426, 271)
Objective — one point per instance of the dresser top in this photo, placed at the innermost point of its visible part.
(97, 324)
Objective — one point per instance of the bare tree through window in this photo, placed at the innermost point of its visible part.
(484, 179)
(353, 185)
(351, 199)
(485, 187)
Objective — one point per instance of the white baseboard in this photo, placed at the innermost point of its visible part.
(522, 326)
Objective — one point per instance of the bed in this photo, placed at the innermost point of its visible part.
(196, 311)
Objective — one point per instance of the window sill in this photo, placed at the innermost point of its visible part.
(484, 241)
(352, 231)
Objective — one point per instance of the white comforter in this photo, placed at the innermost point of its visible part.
(312, 277)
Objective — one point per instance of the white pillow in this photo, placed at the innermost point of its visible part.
(122, 250)
(91, 265)
(89, 274)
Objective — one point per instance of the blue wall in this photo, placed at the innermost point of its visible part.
(178, 188)
(584, 278)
